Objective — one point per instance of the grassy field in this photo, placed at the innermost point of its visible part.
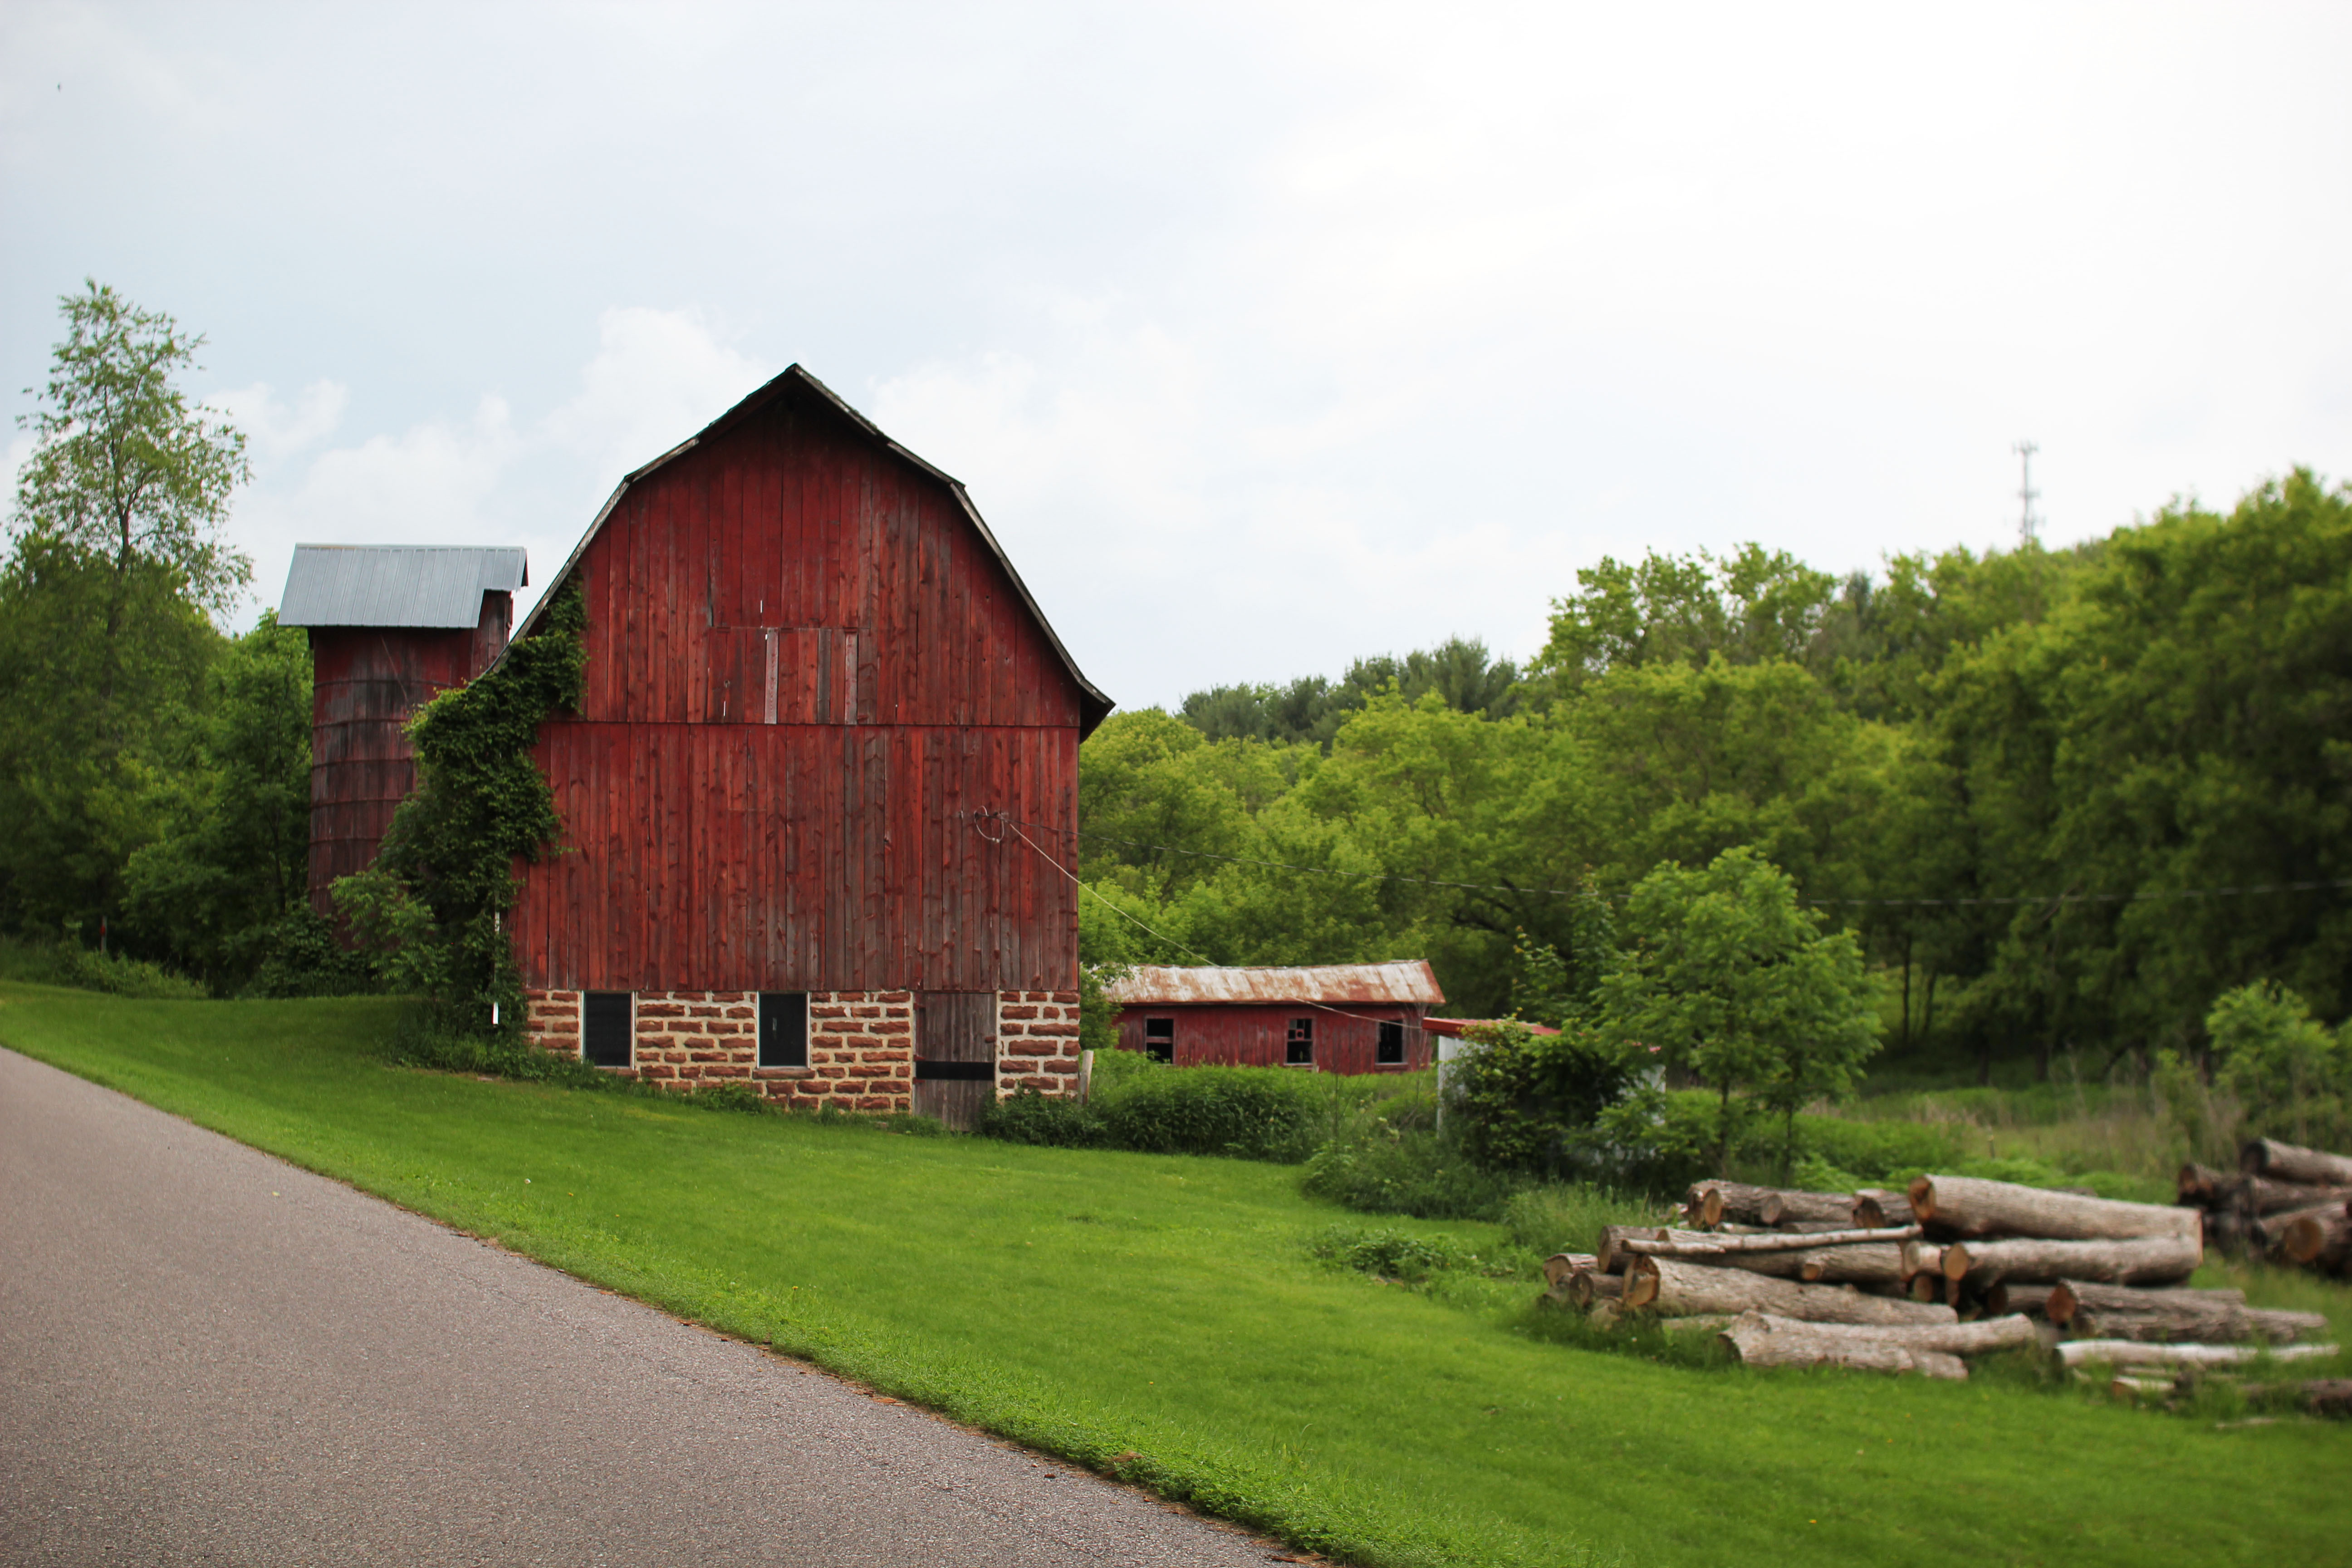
(1162, 1318)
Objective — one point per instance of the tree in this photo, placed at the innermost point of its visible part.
(232, 863)
(1737, 986)
(124, 469)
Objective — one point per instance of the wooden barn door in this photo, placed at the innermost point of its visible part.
(955, 1054)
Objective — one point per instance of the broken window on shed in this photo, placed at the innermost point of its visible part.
(1298, 1047)
(783, 1028)
(607, 1020)
(1160, 1039)
(1390, 1052)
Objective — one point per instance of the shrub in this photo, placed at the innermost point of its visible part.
(1029, 1117)
(1565, 1217)
(71, 964)
(301, 957)
(1252, 1114)
(1421, 1174)
(1392, 1254)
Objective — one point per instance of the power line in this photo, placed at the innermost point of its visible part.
(2142, 896)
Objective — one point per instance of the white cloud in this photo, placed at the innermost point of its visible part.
(655, 378)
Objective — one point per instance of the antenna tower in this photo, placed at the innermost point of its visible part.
(2028, 524)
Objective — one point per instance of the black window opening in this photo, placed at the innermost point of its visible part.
(783, 1028)
(606, 1024)
(1298, 1046)
(1389, 1050)
(1160, 1039)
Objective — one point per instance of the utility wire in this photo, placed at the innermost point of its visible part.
(2142, 896)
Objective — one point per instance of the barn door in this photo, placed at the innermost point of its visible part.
(955, 1054)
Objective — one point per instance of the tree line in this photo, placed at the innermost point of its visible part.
(2062, 799)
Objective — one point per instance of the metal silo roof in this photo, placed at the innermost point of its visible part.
(396, 584)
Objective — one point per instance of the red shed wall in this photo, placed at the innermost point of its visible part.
(1256, 1035)
(367, 682)
(805, 671)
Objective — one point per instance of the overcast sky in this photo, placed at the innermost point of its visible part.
(1264, 336)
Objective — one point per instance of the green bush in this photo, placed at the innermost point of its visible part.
(71, 964)
(1252, 1114)
(1421, 1174)
(1390, 1254)
(301, 957)
(1248, 1113)
(1565, 1217)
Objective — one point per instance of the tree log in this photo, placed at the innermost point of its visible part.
(2269, 1233)
(1857, 1263)
(1966, 1207)
(2255, 1196)
(2135, 1353)
(1875, 1208)
(2319, 1240)
(1560, 1264)
(1785, 1209)
(1605, 1313)
(2288, 1162)
(1589, 1286)
(1761, 1341)
(1714, 1245)
(2095, 1312)
(1675, 1288)
(2144, 1260)
(2006, 1297)
(1607, 1258)
(2200, 1185)
(1953, 1339)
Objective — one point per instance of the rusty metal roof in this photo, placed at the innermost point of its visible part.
(1408, 981)
(396, 584)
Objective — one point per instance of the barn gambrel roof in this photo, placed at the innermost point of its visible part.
(1093, 705)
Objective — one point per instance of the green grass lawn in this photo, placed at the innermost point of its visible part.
(1165, 1308)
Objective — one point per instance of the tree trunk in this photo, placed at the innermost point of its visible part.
(1758, 1340)
(1905, 1035)
(2005, 1298)
(2212, 1317)
(2254, 1196)
(1920, 1257)
(1992, 1335)
(1716, 1246)
(1858, 1263)
(1560, 1264)
(1786, 1208)
(2142, 1260)
(2201, 1186)
(2270, 1232)
(1608, 1259)
(1675, 1288)
(2134, 1352)
(1968, 1207)
(1875, 1208)
(1589, 1286)
(2289, 1162)
(2321, 1240)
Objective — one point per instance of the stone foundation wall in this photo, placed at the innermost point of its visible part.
(1036, 1042)
(861, 1044)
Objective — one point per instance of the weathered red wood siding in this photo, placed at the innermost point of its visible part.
(805, 671)
(367, 682)
(1256, 1035)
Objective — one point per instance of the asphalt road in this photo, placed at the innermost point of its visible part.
(207, 1356)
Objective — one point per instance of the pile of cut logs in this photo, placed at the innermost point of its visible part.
(1918, 1281)
(2290, 1205)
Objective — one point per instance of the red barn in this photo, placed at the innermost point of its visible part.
(391, 626)
(1336, 1017)
(823, 767)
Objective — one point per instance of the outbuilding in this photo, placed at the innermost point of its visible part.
(1333, 1018)
(822, 785)
(391, 626)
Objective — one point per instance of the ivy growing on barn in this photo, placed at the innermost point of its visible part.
(433, 907)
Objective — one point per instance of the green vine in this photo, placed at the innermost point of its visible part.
(432, 906)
